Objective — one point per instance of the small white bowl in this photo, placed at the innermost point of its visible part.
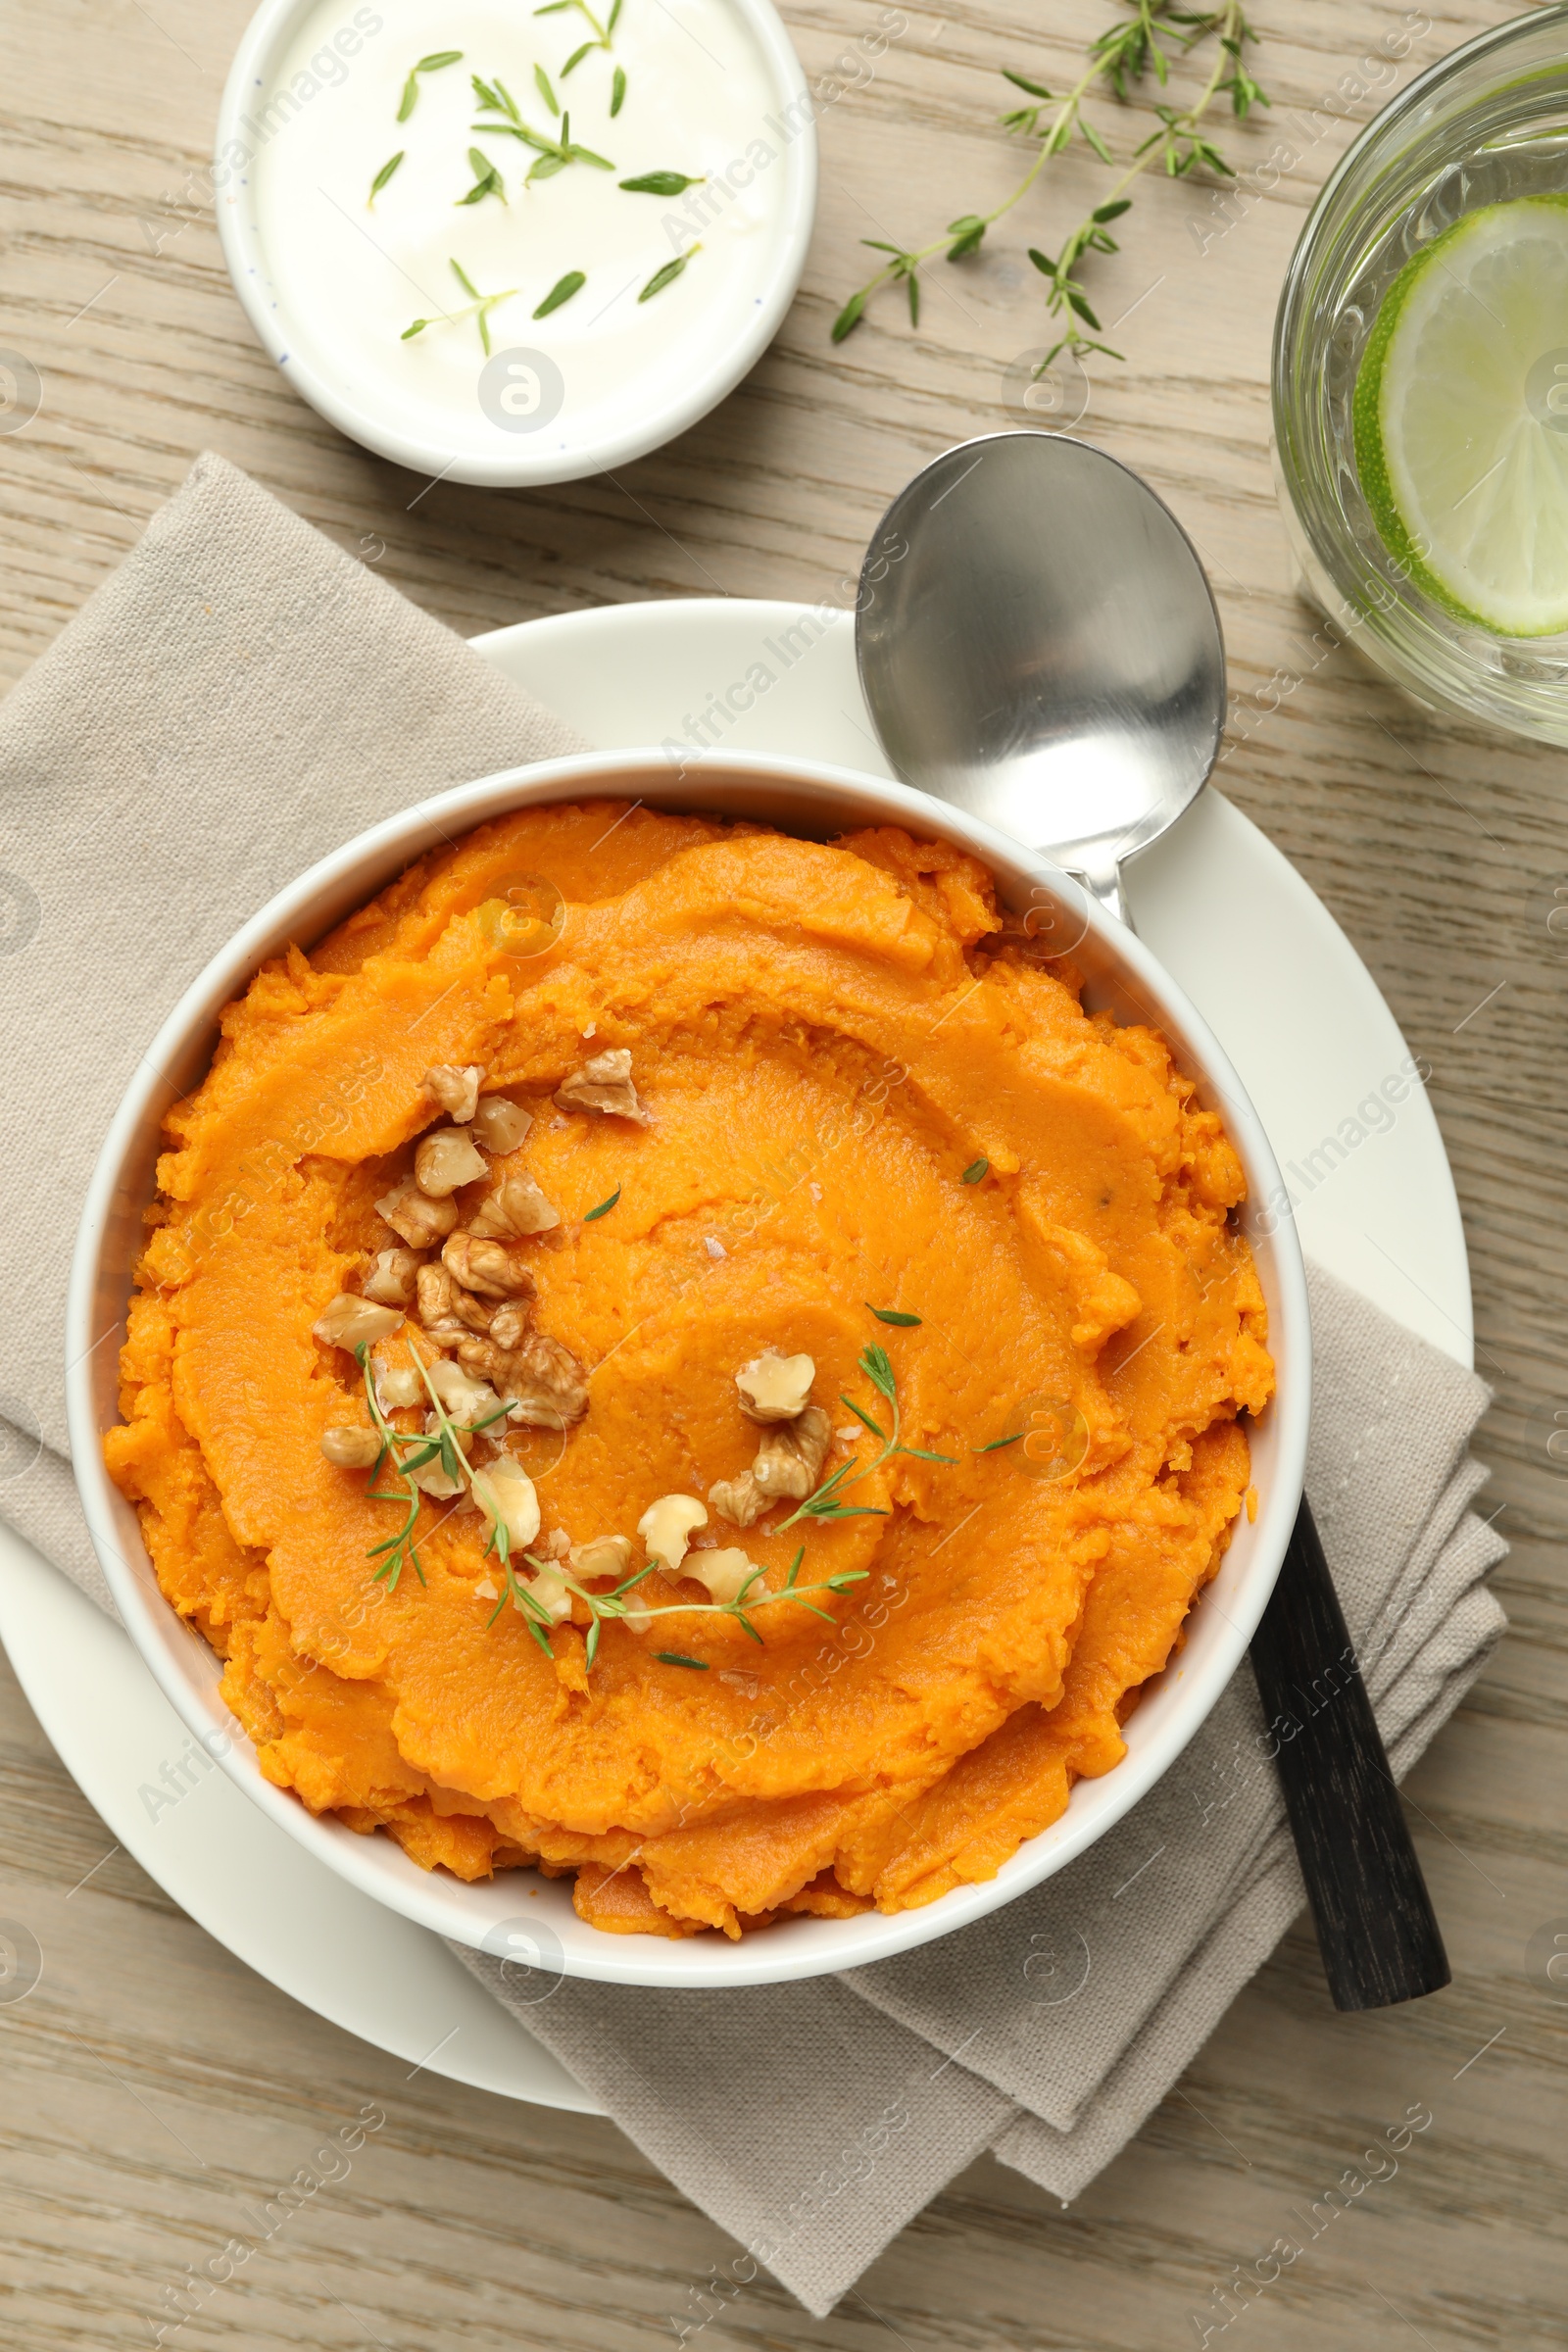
(519, 429)
(518, 1914)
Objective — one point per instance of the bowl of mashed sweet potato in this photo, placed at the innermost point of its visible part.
(699, 1393)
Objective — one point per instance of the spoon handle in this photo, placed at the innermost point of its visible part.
(1376, 1927)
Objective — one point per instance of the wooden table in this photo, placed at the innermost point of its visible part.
(152, 2082)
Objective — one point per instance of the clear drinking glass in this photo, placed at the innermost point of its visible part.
(1486, 124)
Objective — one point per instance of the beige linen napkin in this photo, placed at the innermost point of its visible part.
(236, 700)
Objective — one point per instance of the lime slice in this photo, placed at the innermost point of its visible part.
(1461, 418)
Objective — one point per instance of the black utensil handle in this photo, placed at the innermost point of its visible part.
(1376, 1926)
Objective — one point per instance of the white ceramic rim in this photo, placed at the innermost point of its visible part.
(265, 38)
(812, 799)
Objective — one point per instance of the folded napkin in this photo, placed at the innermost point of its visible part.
(239, 699)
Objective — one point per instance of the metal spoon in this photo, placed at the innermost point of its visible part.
(1038, 643)
(1039, 646)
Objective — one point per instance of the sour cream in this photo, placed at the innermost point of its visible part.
(614, 317)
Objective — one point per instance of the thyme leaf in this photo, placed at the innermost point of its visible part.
(563, 291)
(662, 184)
(384, 175)
(674, 1657)
(667, 274)
(974, 1171)
(892, 1314)
(605, 1206)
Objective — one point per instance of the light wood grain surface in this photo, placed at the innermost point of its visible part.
(152, 2086)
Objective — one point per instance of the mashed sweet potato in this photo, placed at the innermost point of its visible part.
(849, 1090)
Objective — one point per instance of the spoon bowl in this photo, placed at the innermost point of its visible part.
(1038, 644)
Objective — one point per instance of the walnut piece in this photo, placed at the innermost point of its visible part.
(517, 1208)
(507, 1496)
(446, 1159)
(788, 1461)
(603, 1084)
(740, 1500)
(541, 1381)
(774, 1387)
(486, 1267)
(500, 1124)
(351, 1449)
(396, 1384)
(602, 1555)
(455, 1088)
(414, 1215)
(349, 1322)
(725, 1573)
(610, 1556)
(509, 1324)
(447, 1312)
(666, 1527)
(465, 1398)
(389, 1277)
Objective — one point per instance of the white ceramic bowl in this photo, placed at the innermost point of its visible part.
(518, 1913)
(644, 415)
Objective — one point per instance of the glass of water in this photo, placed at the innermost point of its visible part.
(1487, 126)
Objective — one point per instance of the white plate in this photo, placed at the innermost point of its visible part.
(1291, 1002)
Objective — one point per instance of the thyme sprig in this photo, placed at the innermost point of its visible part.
(551, 155)
(607, 1608)
(402, 1454)
(1120, 58)
(602, 35)
(480, 307)
(827, 1501)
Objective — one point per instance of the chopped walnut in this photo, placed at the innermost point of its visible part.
(556, 1546)
(349, 1322)
(774, 1387)
(666, 1526)
(397, 1386)
(513, 1212)
(541, 1381)
(414, 1215)
(509, 1324)
(551, 1593)
(455, 1088)
(725, 1573)
(500, 1124)
(740, 1500)
(603, 1084)
(610, 1556)
(357, 1449)
(389, 1277)
(506, 1495)
(788, 1461)
(486, 1267)
(465, 1398)
(602, 1555)
(447, 1310)
(447, 1159)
